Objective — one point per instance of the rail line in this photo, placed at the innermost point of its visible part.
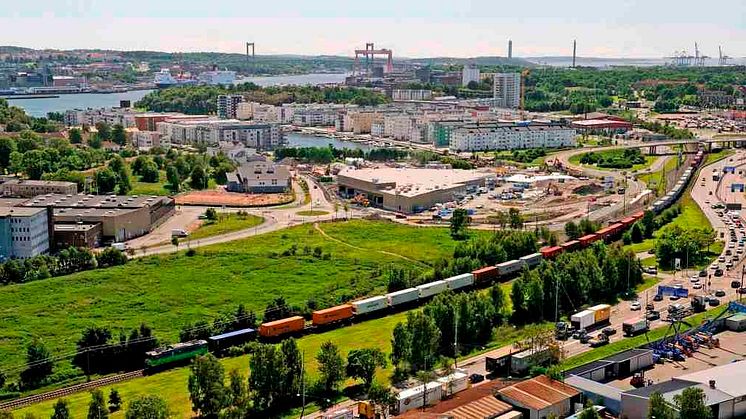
(56, 394)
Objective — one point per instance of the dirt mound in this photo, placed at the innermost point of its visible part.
(219, 197)
(590, 189)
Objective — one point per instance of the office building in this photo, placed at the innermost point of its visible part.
(507, 90)
(24, 232)
(23, 188)
(510, 136)
(259, 176)
(227, 106)
(470, 73)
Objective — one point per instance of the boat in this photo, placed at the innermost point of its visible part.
(164, 79)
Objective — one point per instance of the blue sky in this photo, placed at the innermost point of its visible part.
(413, 28)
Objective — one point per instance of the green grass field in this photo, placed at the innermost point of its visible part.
(311, 213)
(169, 291)
(226, 223)
(145, 188)
(722, 154)
(649, 160)
(653, 180)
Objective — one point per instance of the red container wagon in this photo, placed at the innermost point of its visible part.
(550, 252)
(588, 239)
(332, 314)
(571, 245)
(486, 274)
(282, 327)
(617, 228)
(638, 215)
(627, 222)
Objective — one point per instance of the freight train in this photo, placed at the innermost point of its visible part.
(383, 304)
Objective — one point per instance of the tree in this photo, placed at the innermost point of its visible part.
(691, 404)
(39, 364)
(237, 391)
(331, 367)
(7, 147)
(198, 178)
(589, 412)
(211, 214)
(61, 410)
(148, 407)
(149, 172)
(571, 230)
(94, 141)
(648, 223)
(115, 400)
(362, 364)
(636, 233)
(381, 397)
(459, 223)
(4, 414)
(206, 389)
(106, 181)
(75, 136)
(268, 370)
(659, 408)
(118, 136)
(174, 180)
(103, 131)
(516, 219)
(294, 363)
(111, 256)
(97, 407)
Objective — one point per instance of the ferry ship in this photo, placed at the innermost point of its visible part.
(164, 79)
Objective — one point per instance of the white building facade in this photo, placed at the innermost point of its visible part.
(509, 137)
(469, 74)
(507, 90)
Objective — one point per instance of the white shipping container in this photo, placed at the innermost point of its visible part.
(339, 414)
(432, 288)
(583, 319)
(369, 305)
(453, 383)
(509, 267)
(531, 260)
(412, 398)
(403, 296)
(459, 281)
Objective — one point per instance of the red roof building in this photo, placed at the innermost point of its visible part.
(541, 396)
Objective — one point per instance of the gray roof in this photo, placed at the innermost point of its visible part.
(662, 388)
(591, 366)
(712, 395)
(254, 170)
(729, 378)
(590, 386)
(623, 356)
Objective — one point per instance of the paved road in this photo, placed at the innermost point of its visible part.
(275, 219)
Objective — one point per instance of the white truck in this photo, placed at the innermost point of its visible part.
(635, 326)
(119, 246)
(179, 232)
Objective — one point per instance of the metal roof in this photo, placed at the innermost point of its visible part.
(591, 366)
(234, 333)
(539, 392)
(594, 387)
(623, 356)
(729, 378)
(486, 407)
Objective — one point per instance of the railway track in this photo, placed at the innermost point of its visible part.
(56, 394)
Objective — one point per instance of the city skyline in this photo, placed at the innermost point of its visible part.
(632, 29)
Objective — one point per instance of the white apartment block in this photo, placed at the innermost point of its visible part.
(411, 94)
(264, 136)
(264, 113)
(112, 116)
(469, 74)
(509, 136)
(507, 90)
(149, 139)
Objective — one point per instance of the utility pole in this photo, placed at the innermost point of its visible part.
(302, 386)
(455, 338)
(556, 299)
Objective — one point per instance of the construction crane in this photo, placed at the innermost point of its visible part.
(722, 59)
(524, 75)
(699, 59)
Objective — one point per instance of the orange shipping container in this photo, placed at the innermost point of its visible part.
(488, 273)
(332, 314)
(282, 326)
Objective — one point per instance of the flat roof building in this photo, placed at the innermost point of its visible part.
(408, 190)
(30, 188)
(24, 232)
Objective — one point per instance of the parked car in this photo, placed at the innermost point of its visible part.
(635, 306)
(476, 378)
(720, 293)
(735, 284)
(673, 298)
(703, 273)
(653, 315)
(741, 290)
(649, 306)
(714, 302)
(609, 331)
(579, 334)
(658, 297)
(585, 338)
(697, 286)
(718, 272)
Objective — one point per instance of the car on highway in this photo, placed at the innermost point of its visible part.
(579, 334)
(585, 338)
(608, 331)
(728, 252)
(653, 315)
(635, 306)
(714, 302)
(658, 297)
(735, 258)
(720, 293)
(697, 286)
(732, 244)
(735, 284)
(718, 272)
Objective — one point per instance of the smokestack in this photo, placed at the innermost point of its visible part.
(574, 49)
(510, 49)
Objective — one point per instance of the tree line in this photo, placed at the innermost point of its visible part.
(64, 262)
(615, 159)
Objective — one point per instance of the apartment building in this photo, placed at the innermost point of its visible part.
(509, 136)
(227, 105)
(316, 115)
(470, 73)
(411, 94)
(24, 232)
(145, 140)
(507, 90)
(264, 136)
(111, 116)
(264, 113)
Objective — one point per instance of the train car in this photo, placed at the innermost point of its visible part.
(627, 222)
(550, 251)
(638, 215)
(532, 260)
(460, 281)
(404, 296)
(486, 274)
(570, 245)
(369, 305)
(331, 315)
(224, 341)
(588, 239)
(175, 354)
(432, 288)
(282, 327)
(509, 267)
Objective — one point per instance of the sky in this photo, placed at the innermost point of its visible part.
(411, 28)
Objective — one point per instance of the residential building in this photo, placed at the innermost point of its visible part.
(540, 397)
(470, 73)
(407, 190)
(24, 232)
(509, 136)
(265, 113)
(411, 94)
(259, 176)
(507, 90)
(111, 116)
(23, 188)
(149, 139)
(264, 136)
(227, 105)
(316, 115)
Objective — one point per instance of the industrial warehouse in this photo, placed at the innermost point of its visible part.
(408, 190)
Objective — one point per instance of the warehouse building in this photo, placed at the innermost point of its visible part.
(408, 190)
(616, 366)
(78, 235)
(121, 217)
(30, 188)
